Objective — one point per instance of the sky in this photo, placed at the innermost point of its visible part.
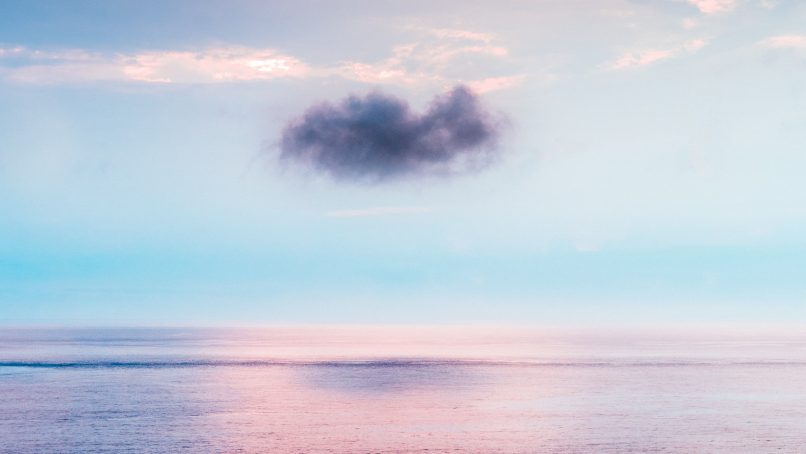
(646, 162)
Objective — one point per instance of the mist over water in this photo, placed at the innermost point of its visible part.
(399, 389)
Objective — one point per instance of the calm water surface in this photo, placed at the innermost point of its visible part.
(387, 389)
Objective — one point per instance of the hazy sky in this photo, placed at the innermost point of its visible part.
(650, 168)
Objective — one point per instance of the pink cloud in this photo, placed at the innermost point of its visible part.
(461, 34)
(423, 61)
(427, 60)
(208, 66)
(641, 58)
(647, 57)
(215, 65)
(380, 73)
(394, 69)
(714, 6)
(786, 42)
(495, 83)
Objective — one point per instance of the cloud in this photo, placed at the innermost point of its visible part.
(378, 211)
(378, 137)
(5, 51)
(437, 57)
(785, 42)
(461, 34)
(647, 57)
(642, 58)
(495, 83)
(714, 6)
(213, 65)
(413, 63)
(429, 59)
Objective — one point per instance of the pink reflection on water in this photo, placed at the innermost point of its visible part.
(403, 389)
(528, 393)
(362, 408)
(479, 408)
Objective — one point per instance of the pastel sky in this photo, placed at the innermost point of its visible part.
(651, 169)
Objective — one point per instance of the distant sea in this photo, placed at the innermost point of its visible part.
(400, 389)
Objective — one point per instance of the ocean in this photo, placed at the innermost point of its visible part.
(359, 389)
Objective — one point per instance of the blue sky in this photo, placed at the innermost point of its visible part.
(651, 169)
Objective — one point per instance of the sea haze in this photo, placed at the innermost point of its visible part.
(400, 389)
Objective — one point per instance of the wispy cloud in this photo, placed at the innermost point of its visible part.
(461, 34)
(395, 69)
(495, 83)
(646, 57)
(714, 6)
(378, 211)
(213, 65)
(11, 51)
(785, 42)
(641, 58)
(430, 58)
(425, 60)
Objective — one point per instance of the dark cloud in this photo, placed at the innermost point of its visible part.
(378, 137)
